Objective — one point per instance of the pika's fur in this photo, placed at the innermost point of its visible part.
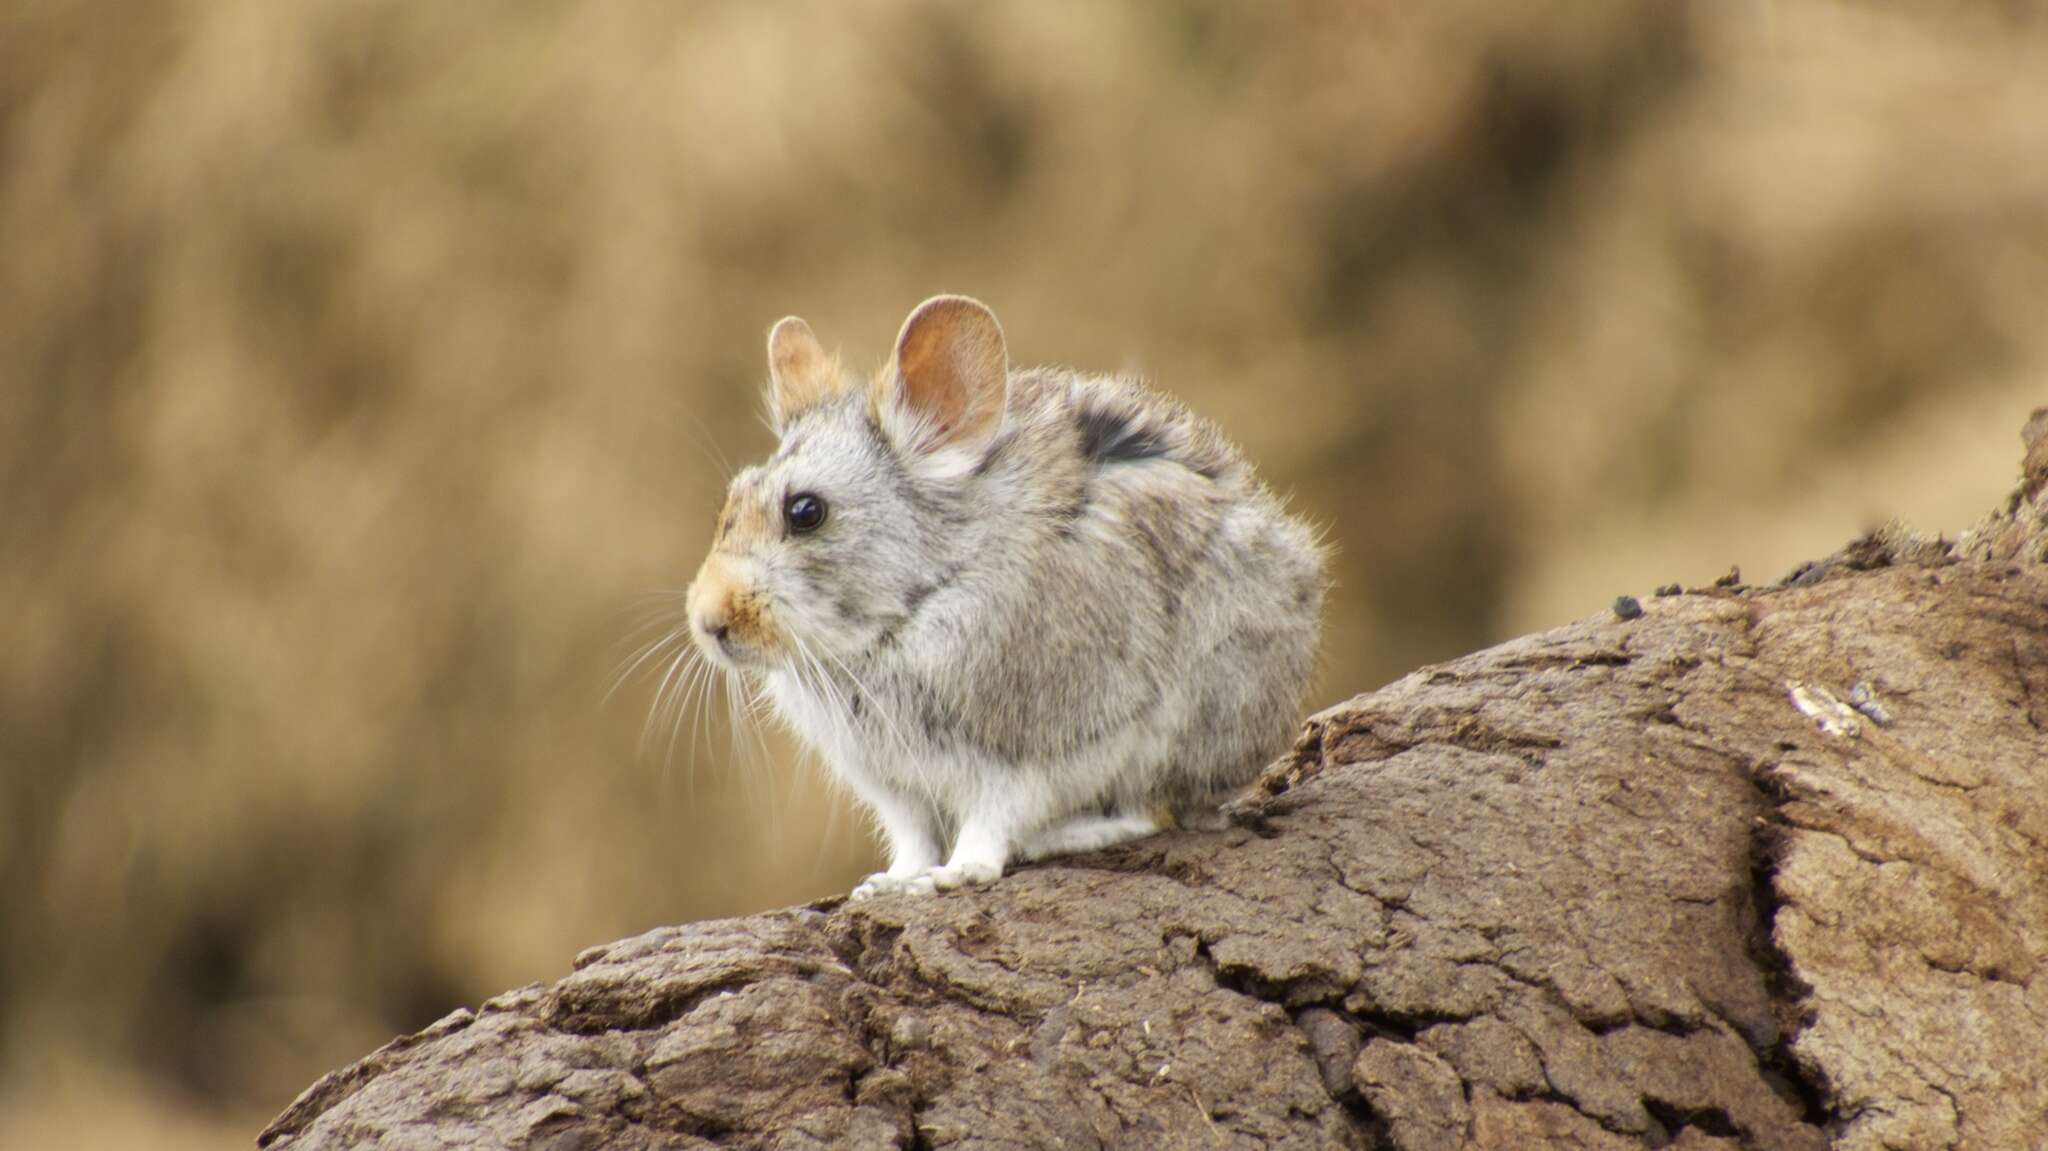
(1018, 612)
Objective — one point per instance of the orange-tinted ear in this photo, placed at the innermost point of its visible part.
(950, 375)
(800, 374)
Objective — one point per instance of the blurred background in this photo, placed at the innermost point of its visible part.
(365, 366)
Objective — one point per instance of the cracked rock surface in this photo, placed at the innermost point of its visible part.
(1757, 868)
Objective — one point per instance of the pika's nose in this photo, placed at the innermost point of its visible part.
(711, 605)
(711, 621)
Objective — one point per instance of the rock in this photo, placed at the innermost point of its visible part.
(1608, 886)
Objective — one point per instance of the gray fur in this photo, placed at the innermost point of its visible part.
(1104, 619)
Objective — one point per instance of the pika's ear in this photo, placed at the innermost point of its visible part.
(948, 381)
(800, 374)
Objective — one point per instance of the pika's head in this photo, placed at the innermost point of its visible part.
(832, 540)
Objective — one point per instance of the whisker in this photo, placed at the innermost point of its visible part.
(654, 711)
(646, 652)
(720, 682)
(734, 732)
(707, 442)
(659, 599)
(841, 710)
(680, 710)
(875, 701)
(699, 705)
(651, 617)
(830, 835)
(758, 706)
(737, 727)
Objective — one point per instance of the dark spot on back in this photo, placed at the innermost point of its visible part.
(1112, 437)
(1067, 517)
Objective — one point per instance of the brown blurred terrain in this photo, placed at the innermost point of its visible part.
(368, 365)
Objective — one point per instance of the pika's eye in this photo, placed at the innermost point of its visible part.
(804, 512)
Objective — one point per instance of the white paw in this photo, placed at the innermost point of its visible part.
(883, 883)
(966, 873)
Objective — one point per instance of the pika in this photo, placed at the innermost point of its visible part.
(1018, 612)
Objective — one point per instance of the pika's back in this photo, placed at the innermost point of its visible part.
(1072, 439)
(1146, 576)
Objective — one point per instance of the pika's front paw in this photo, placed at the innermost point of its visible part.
(883, 883)
(966, 873)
